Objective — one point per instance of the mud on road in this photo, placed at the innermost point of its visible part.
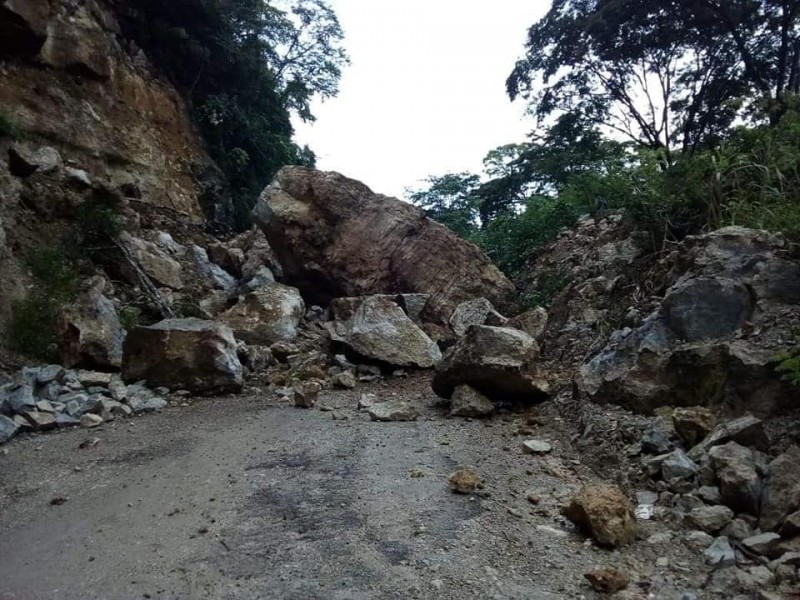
(249, 497)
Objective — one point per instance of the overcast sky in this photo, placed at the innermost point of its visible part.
(425, 93)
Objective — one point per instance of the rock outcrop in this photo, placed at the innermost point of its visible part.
(335, 237)
(496, 361)
(183, 354)
(730, 299)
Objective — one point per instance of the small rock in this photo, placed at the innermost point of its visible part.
(710, 494)
(338, 415)
(738, 529)
(608, 580)
(465, 481)
(699, 540)
(536, 447)
(710, 519)
(305, 395)
(366, 401)
(345, 380)
(746, 431)
(739, 482)
(720, 553)
(469, 402)
(8, 429)
(693, 424)
(89, 443)
(677, 465)
(393, 410)
(41, 421)
(604, 512)
(57, 501)
(763, 544)
(655, 439)
(90, 420)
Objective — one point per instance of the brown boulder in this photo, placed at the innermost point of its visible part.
(335, 237)
(268, 315)
(605, 513)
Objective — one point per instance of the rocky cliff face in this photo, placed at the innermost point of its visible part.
(69, 79)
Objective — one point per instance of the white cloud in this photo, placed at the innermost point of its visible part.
(425, 93)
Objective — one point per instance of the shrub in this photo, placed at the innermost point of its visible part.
(33, 324)
(788, 365)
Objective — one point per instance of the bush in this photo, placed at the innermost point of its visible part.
(8, 128)
(788, 365)
(34, 320)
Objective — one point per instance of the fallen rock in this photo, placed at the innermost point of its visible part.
(608, 580)
(498, 362)
(605, 513)
(536, 447)
(763, 543)
(746, 431)
(214, 276)
(699, 540)
(393, 410)
(478, 311)
(655, 439)
(157, 264)
(24, 162)
(189, 354)
(366, 401)
(345, 380)
(693, 424)
(720, 553)
(532, 322)
(380, 330)
(711, 519)
(465, 481)
(90, 420)
(15, 398)
(267, 315)
(739, 482)
(469, 402)
(305, 395)
(40, 421)
(8, 429)
(677, 465)
(781, 493)
(335, 237)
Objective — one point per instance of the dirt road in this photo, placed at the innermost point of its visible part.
(252, 498)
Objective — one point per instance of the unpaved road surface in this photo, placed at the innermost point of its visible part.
(248, 497)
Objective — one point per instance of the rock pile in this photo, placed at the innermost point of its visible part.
(50, 397)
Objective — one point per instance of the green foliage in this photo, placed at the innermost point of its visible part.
(548, 284)
(788, 365)
(243, 66)
(451, 200)
(33, 324)
(9, 129)
(98, 221)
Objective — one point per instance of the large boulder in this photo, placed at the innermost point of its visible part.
(23, 26)
(269, 314)
(335, 237)
(154, 261)
(498, 362)
(781, 495)
(478, 311)
(730, 301)
(189, 354)
(379, 330)
(90, 334)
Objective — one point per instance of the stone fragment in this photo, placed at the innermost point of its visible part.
(710, 494)
(763, 543)
(720, 553)
(677, 465)
(608, 580)
(157, 264)
(469, 402)
(536, 447)
(655, 439)
(267, 315)
(366, 401)
(693, 424)
(393, 410)
(345, 380)
(191, 354)
(498, 362)
(710, 519)
(41, 421)
(23, 162)
(737, 529)
(605, 513)
(739, 482)
(532, 322)
(475, 312)
(8, 429)
(781, 493)
(746, 431)
(17, 397)
(305, 395)
(465, 481)
(90, 420)
(699, 540)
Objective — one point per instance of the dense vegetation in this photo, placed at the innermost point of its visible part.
(682, 112)
(243, 67)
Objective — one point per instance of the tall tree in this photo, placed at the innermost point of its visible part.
(626, 65)
(450, 199)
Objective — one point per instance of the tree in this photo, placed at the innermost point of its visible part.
(627, 66)
(451, 200)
